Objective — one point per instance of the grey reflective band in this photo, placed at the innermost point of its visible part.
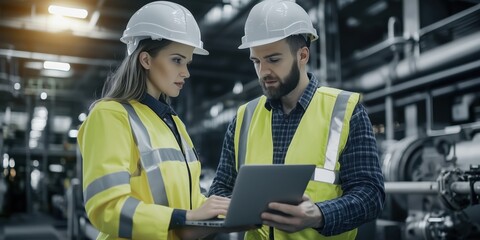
(150, 162)
(104, 183)
(148, 157)
(335, 131)
(157, 187)
(247, 119)
(152, 158)
(326, 176)
(139, 131)
(125, 228)
(190, 156)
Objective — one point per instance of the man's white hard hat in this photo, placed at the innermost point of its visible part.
(272, 20)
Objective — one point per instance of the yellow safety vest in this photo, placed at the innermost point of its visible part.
(134, 171)
(319, 139)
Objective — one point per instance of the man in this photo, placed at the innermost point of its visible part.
(298, 122)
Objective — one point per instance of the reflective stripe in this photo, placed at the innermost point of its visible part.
(157, 187)
(148, 157)
(190, 155)
(104, 183)
(150, 162)
(125, 228)
(243, 138)
(139, 131)
(152, 158)
(336, 125)
(326, 176)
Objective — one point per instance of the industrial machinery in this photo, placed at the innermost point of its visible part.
(433, 185)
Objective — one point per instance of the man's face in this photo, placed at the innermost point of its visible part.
(276, 67)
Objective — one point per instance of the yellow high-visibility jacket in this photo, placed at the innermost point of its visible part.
(319, 139)
(134, 171)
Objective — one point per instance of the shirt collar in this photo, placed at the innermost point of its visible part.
(304, 99)
(160, 107)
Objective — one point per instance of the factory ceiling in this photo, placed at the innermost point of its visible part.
(30, 35)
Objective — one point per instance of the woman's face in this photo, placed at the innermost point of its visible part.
(168, 70)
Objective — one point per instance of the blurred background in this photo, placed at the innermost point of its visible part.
(416, 62)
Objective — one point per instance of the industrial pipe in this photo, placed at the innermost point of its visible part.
(428, 187)
(438, 57)
(411, 187)
(464, 187)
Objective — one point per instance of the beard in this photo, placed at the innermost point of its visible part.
(286, 85)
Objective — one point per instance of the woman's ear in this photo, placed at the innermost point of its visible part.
(145, 59)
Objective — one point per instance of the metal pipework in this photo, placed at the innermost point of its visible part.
(464, 187)
(428, 187)
(411, 187)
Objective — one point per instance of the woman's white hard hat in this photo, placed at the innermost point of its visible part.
(163, 20)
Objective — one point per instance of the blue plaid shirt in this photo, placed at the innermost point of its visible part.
(360, 174)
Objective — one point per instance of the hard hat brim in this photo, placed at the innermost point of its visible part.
(259, 42)
(197, 49)
(268, 41)
(200, 51)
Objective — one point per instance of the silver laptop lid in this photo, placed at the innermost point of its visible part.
(258, 185)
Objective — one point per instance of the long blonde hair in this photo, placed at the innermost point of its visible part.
(129, 81)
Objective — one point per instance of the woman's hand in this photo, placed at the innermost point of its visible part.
(214, 206)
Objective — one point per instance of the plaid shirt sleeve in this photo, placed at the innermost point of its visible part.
(224, 180)
(361, 179)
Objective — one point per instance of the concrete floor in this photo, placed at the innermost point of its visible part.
(39, 226)
(32, 226)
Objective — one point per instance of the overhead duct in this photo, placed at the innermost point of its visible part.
(441, 56)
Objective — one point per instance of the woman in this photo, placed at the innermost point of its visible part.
(140, 170)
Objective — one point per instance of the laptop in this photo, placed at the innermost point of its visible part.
(258, 185)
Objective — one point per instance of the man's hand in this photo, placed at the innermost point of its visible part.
(304, 215)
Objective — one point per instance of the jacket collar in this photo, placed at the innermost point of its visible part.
(160, 107)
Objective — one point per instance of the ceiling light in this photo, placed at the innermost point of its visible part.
(67, 11)
(5, 160)
(73, 133)
(12, 163)
(216, 109)
(61, 66)
(55, 168)
(238, 88)
(43, 95)
(35, 134)
(82, 117)
(33, 143)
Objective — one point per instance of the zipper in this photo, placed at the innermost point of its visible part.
(179, 139)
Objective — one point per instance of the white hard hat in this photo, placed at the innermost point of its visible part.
(272, 20)
(163, 20)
